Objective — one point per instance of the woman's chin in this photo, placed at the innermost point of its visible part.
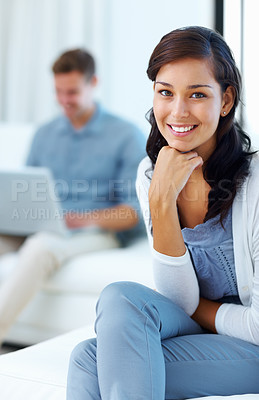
(180, 148)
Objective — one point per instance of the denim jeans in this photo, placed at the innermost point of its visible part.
(147, 348)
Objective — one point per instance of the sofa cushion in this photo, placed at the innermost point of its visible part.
(90, 273)
(67, 300)
(39, 372)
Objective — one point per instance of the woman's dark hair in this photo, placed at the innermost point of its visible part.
(228, 166)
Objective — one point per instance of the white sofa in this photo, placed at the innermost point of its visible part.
(39, 372)
(67, 301)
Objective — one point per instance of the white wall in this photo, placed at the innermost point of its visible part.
(134, 28)
(233, 14)
(32, 34)
(251, 69)
(120, 33)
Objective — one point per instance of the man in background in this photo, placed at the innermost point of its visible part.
(94, 156)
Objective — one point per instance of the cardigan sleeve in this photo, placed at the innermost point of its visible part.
(238, 320)
(174, 277)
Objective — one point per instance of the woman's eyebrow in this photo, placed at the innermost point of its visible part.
(164, 84)
(196, 86)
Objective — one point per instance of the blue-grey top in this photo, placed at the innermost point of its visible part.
(211, 248)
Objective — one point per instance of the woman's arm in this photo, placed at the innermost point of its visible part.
(172, 171)
(174, 276)
(205, 314)
(238, 320)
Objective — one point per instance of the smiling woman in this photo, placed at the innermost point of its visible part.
(197, 190)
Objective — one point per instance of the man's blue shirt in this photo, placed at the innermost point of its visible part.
(94, 167)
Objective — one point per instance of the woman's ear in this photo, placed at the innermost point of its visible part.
(228, 101)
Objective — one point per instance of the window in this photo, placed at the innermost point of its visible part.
(241, 33)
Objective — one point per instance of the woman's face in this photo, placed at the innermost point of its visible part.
(188, 102)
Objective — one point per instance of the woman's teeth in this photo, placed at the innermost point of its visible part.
(182, 128)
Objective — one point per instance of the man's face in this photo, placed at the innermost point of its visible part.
(74, 93)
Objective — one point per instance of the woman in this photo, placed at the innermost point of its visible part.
(198, 334)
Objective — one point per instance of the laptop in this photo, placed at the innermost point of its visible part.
(28, 203)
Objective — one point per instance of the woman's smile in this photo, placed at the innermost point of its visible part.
(182, 131)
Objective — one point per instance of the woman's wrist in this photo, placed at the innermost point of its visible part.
(167, 235)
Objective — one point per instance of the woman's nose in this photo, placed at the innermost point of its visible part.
(179, 108)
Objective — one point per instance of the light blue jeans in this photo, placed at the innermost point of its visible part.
(147, 348)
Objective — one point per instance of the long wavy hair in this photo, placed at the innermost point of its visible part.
(228, 166)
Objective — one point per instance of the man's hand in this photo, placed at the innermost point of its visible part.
(119, 218)
(76, 220)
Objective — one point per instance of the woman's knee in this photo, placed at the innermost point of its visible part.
(120, 303)
(117, 294)
(84, 354)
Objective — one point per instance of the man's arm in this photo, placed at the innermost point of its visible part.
(118, 218)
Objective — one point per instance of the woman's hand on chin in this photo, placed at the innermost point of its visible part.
(172, 171)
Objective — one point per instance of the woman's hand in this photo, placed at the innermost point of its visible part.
(171, 173)
(205, 314)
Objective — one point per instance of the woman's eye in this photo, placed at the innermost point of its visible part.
(198, 95)
(165, 93)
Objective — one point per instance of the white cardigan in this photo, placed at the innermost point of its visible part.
(175, 277)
